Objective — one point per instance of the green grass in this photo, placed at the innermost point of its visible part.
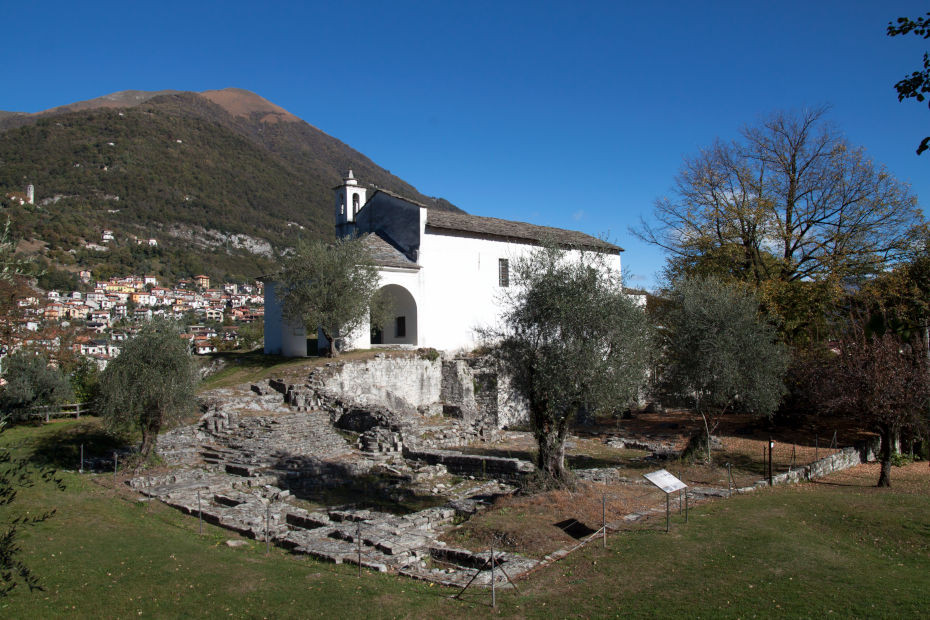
(802, 551)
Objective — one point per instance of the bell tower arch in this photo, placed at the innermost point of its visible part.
(348, 199)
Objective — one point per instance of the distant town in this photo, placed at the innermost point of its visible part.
(94, 323)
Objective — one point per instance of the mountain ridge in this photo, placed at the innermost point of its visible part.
(220, 164)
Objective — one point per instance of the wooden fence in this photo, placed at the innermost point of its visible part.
(75, 410)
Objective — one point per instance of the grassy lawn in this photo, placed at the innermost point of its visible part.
(840, 546)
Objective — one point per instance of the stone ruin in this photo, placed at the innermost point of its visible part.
(370, 433)
(378, 429)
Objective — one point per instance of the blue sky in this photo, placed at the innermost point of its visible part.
(567, 114)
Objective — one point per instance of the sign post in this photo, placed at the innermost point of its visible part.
(669, 484)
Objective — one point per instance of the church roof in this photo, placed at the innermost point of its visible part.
(521, 231)
(386, 255)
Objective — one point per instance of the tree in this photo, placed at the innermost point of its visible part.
(18, 473)
(720, 352)
(917, 84)
(10, 265)
(791, 200)
(85, 379)
(572, 342)
(251, 335)
(881, 380)
(31, 382)
(899, 299)
(15, 474)
(149, 384)
(331, 286)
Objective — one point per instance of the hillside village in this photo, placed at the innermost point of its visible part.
(94, 323)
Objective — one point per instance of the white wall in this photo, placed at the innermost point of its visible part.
(281, 338)
(460, 292)
(408, 279)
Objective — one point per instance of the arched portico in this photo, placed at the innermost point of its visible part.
(401, 324)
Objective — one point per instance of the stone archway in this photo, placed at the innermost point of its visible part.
(401, 328)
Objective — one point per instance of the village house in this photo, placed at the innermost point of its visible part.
(443, 272)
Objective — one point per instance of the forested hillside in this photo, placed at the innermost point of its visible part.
(222, 180)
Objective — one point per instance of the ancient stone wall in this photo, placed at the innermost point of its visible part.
(401, 384)
(469, 389)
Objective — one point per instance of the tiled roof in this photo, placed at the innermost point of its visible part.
(386, 255)
(521, 231)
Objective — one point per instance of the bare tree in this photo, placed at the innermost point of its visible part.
(790, 200)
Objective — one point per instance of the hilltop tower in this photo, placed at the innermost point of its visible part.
(348, 199)
(30, 194)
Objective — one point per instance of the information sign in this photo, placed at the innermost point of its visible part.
(665, 481)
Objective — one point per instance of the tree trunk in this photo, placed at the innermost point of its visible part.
(551, 457)
(331, 350)
(706, 437)
(150, 435)
(887, 435)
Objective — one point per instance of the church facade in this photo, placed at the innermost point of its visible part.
(445, 273)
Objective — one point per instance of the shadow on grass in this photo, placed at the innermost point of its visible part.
(739, 462)
(62, 448)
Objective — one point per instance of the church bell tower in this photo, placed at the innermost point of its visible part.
(349, 198)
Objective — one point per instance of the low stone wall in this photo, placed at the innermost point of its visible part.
(852, 456)
(477, 465)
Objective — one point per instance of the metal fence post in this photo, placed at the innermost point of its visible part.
(81, 470)
(604, 517)
(771, 449)
(668, 513)
(493, 588)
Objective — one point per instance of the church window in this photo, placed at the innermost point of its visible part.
(354, 204)
(503, 272)
(400, 327)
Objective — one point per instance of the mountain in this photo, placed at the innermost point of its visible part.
(222, 179)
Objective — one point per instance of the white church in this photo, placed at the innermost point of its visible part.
(444, 272)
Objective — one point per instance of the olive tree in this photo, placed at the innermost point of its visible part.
(720, 352)
(31, 382)
(149, 384)
(330, 286)
(572, 343)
